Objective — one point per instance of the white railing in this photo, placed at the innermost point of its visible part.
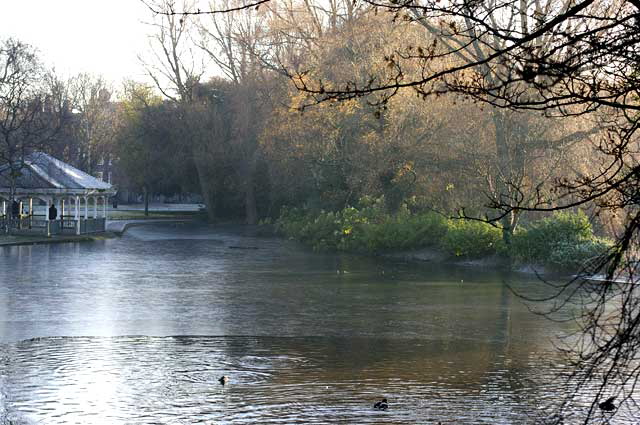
(92, 225)
(39, 225)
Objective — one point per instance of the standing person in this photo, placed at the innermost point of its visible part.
(53, 212)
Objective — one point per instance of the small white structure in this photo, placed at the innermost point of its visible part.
(75, 194)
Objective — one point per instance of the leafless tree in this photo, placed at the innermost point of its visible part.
(89, 97)
(173, 65)
(231, 41)
(28, 118)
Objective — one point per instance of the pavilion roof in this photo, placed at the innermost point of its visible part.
(43, 173)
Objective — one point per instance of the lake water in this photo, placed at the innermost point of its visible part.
(137, 330)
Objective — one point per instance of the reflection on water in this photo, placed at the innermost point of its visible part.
(305, 338)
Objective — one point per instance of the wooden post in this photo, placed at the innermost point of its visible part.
(146, 201)
(30, 213)
(47, 222)
(77, 204)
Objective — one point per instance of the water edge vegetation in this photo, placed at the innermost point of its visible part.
(561, 241)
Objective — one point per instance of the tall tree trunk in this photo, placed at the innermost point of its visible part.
(251, 209)
(504, 175)
(12, 196)
(206, 188)
(146, 201)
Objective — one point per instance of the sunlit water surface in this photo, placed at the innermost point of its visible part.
(138, 330)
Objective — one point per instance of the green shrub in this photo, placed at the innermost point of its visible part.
(573, 255)
(401, 232)
(466, 238)
(368, 229)
(291, 222)
(563, 240)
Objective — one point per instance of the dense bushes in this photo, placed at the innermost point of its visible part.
(564, 240)
(368, 229)
(471, 238)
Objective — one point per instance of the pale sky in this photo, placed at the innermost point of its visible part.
(102, 37)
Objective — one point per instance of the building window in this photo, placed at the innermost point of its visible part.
(109, 177)
(101, 160)
(99, 175)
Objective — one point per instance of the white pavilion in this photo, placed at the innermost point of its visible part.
(44, 179)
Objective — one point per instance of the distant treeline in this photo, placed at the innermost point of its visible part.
(252, 143)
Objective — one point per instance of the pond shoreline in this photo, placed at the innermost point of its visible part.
(437, 256)
(430, 255)
(20, 240)
(118, 227)
(115, 228)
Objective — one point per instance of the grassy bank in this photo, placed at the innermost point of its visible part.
(562, 241)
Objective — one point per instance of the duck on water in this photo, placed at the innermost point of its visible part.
(608, 405)
(381, 405)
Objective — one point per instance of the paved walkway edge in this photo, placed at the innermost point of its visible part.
(120, 226)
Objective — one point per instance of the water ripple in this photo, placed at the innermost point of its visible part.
(145, 380)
